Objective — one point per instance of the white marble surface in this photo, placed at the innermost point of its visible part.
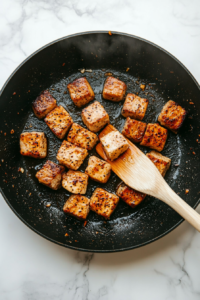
(35, 269)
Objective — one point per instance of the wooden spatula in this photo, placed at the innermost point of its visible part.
(139, 173)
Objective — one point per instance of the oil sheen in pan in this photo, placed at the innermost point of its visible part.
(123, 213)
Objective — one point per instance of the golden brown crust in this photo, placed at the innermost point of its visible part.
(155, 137)
(75, 182)
(103, 203)
(114, 89)
(95, 117)
(77, 206)
(43, 104)
(172, 116)
(98, 169)
(161, 162)
(59, 121)
(129, 195)
(50, 175)
(33, 144)
(80, 91)
(134, 130)
(134, 107)
(82, 137)
(71, 156)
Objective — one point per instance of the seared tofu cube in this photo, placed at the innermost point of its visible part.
(134, 130)
(75, 182)
(114, 144)
(33, 144)
(114, 89)
(134, 107)
(103, 203)
(155, 137)
(80, 92)
(82, 137)
(70, 155)
(43, 104)
(95, 117)
(98, 169)
(77, 206)
(161, 162)
(129, 195)
(50, 175)
(59, 121)
(172, 116)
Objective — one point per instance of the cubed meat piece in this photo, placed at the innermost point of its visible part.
(134, 130)
(155, 137)
(50, 175)
(114, 144)
(134, 107)
(103, 203)
(172, 116)
(98, 169)
(77, 206)
(129, 195)
(114, 89)
(95, 117)
(59, 121)
(33, 144)
(71, 156)
(82, 137)
(43, 104)
(75, 182)
(161, 162)
(80, 92)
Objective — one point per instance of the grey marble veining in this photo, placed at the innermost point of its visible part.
(35, 269)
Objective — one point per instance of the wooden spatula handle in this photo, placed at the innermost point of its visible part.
(167, 195)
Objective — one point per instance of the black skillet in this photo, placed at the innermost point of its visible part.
(57, 64)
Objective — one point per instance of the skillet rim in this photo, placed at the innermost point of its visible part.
(12, 75)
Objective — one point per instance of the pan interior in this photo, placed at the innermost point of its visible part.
(127, 228)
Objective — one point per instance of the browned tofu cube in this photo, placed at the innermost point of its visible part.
(134, 130)
(172, 116)
(114, 144)
(161, 162)
(134, 107)
(70, 155)
(77, 206)
(50, 175)
(43, 104)
(95, 117)
(75, 182)
(114, 89)
(82, 137)
(129, 195)
(155, 137)
(98, 169)
(59, 121)
(103, 203)
(33, 144)
(80, 92)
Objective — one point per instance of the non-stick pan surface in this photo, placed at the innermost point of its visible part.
(57, 64)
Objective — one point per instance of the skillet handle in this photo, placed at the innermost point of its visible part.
(167, 195)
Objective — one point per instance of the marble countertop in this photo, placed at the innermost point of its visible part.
(35, 269)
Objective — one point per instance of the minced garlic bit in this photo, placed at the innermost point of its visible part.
(186, 191)
(48, 205)
(109, 32)
(127, 69)
(82, 71)
(108, 74)
(12, 131)
(66, 234)
(89, 71)
(21, 170)
(142, 86)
